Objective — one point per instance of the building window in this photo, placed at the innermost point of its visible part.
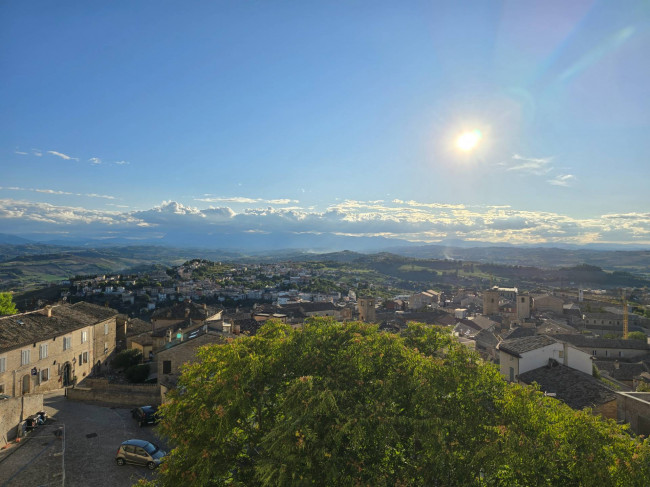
(605, 353)
(24, 357)
(67, 343)
(105, 328)
(45, 375)
(2, 388)
(3, 364)
(512, 374)
(105, 347)
(593, 352)
(84, 336)
(620, 354)
(42, 353)
(561, 353)
(85, 357)
(167, 366)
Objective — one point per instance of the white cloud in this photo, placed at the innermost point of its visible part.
(95, 160)
(57, 192)
(561, 180)
(244, 200)
(122, 163)
(62, 156)
(95, 195)
(532, 165)
(37, 152)
(21, 152)
(426, 222)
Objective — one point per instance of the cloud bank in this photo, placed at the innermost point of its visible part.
(408, 220)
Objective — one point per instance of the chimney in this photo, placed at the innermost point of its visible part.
(47, 311)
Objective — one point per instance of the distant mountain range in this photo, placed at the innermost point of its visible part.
(28, 261)
(315, 242)
(26, 264)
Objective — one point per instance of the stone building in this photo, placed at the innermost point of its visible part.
(523, 307)
(181, 312)
(367, 310)
(45, 350)
(547, 302)
(491, 302)
(175, 355)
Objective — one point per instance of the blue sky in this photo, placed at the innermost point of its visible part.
(139, 118)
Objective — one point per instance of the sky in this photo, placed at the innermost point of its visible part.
(520, 121)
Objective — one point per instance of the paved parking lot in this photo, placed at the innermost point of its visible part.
(82, 455)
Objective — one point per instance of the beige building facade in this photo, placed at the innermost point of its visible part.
(49, 349)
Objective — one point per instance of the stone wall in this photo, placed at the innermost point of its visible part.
(13, 411)
(101, 391)
(634, 408)
(607, 410)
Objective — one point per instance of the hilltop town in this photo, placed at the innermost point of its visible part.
(587, 348)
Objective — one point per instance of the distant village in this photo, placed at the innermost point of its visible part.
(584, 347)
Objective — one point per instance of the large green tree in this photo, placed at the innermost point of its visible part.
(7, 306)
(345, 404)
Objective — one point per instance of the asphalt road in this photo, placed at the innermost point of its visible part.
(82, 455)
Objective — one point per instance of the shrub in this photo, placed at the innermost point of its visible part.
(137, 373)
(126, 359)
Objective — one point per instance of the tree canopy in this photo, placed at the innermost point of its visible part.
(346, 404)
(7, 306)
(637, 335)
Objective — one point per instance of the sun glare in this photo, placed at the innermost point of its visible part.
(469, 140)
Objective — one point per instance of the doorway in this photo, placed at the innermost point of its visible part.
(27, 382)
(67, 375)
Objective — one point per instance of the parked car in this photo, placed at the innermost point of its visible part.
(145, 415)
(4, 396)
(139, 452)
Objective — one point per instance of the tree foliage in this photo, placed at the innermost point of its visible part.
(7, 306)
(637, 335)
(127, 358)
(345, 404)
(137, 373)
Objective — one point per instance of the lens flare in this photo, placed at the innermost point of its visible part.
(469, 140)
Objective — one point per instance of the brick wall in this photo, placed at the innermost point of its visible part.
(13, 411)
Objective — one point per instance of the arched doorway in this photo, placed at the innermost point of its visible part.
(27, 382)
(67, 375)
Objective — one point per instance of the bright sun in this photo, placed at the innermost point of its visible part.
(468, 140)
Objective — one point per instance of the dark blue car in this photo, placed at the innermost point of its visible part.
(145, 415)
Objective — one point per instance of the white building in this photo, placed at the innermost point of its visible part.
(520, 355)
